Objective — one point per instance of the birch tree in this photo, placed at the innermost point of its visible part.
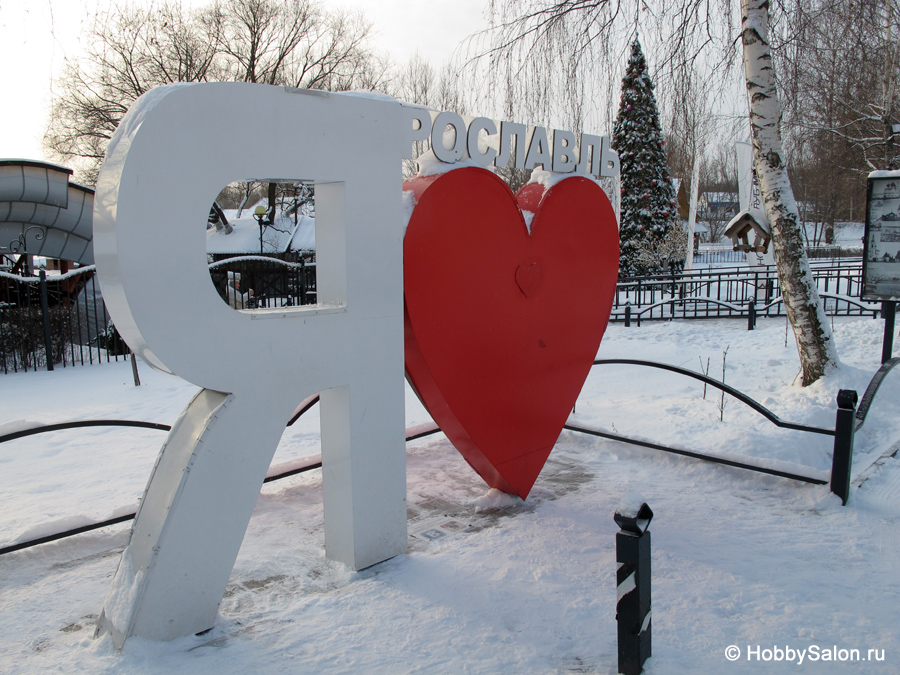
(806, 314)
(687, 30)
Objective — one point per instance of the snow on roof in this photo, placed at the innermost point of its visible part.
(751, 216)
(284, 235)
(304, 238)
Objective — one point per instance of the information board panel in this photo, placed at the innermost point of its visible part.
(881, 252)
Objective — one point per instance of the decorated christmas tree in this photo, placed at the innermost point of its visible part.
(651, 236)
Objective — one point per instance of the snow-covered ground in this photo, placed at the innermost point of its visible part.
(243, 235)
(738, 558)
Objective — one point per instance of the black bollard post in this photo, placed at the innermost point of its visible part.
(627, 315)
(751, 315)
(888, 311)
(633, 584)
(842, 456)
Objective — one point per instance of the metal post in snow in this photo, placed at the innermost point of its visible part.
(134, 371)
(672, 270)
(842, 456)
(627, 315)
(45, 319)
(888, 311)
(751, 315)
(633, 584)
(639, 296)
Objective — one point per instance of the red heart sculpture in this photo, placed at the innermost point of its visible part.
(502, 325)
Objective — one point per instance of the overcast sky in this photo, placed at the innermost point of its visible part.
(36, 36)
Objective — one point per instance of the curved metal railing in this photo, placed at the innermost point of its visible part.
(426, 430)
(731, 391)
(866, 401)
(313, 463)
(739, 395)
(842, 433)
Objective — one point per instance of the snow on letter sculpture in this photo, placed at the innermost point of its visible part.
(153, 273)
(503, 321)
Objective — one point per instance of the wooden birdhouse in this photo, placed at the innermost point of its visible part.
(742, 227)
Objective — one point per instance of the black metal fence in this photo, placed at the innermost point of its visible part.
(63, 316)
(735, 292)
(715, 254)
(274, 282)
(54, 320)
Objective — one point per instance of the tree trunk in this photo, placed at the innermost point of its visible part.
(692, 213)
(801, 299)
(891, 160)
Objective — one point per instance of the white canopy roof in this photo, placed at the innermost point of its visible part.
(39, 194)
